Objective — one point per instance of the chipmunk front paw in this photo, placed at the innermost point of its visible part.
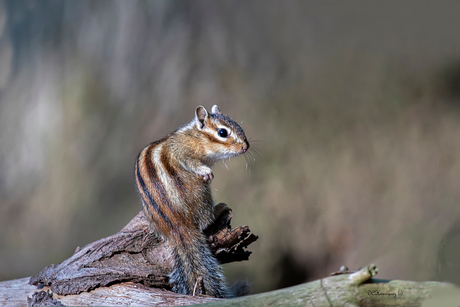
(208, 177)
(204, 172)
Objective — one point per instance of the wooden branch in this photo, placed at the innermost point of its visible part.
(137, 255)
(131, 268)
(19, 292)
(357, 289)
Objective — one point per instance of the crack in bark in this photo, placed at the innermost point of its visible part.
(325, 292)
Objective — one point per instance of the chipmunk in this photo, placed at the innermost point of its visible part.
(173, 177)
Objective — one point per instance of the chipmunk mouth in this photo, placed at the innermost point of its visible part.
(235, 154)
(245, 146)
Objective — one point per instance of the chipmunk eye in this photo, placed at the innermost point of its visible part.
(223, 133)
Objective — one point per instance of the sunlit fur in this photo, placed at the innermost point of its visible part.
(173, 181)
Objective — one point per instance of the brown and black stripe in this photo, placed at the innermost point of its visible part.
(171, 220)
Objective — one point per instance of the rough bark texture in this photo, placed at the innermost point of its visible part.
(130, 268)
(18, 293)
(136, 254)
(357, 289)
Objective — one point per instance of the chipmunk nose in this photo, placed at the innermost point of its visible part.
(245, 146)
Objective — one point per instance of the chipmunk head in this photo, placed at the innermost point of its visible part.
(223, 136)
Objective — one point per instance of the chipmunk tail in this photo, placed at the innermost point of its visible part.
(240, 288)
(195, 269)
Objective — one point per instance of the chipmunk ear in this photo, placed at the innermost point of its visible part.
(200, 116)
(215, 109)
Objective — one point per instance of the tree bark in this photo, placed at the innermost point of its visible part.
(138, 255)
(357, 289)
(132, 267)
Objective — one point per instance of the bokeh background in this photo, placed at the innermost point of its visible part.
(352, 109)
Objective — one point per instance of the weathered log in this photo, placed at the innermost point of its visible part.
(357, 289)
(351, 290)
(131, 268)
(136, 254)
(18, 293)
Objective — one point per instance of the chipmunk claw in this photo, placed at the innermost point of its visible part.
(208, 177)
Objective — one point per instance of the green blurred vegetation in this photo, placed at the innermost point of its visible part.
(352, 110)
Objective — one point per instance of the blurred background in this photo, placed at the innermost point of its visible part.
(353, 108)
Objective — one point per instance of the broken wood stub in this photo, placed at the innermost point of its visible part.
(136, 254)
(227, 244)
